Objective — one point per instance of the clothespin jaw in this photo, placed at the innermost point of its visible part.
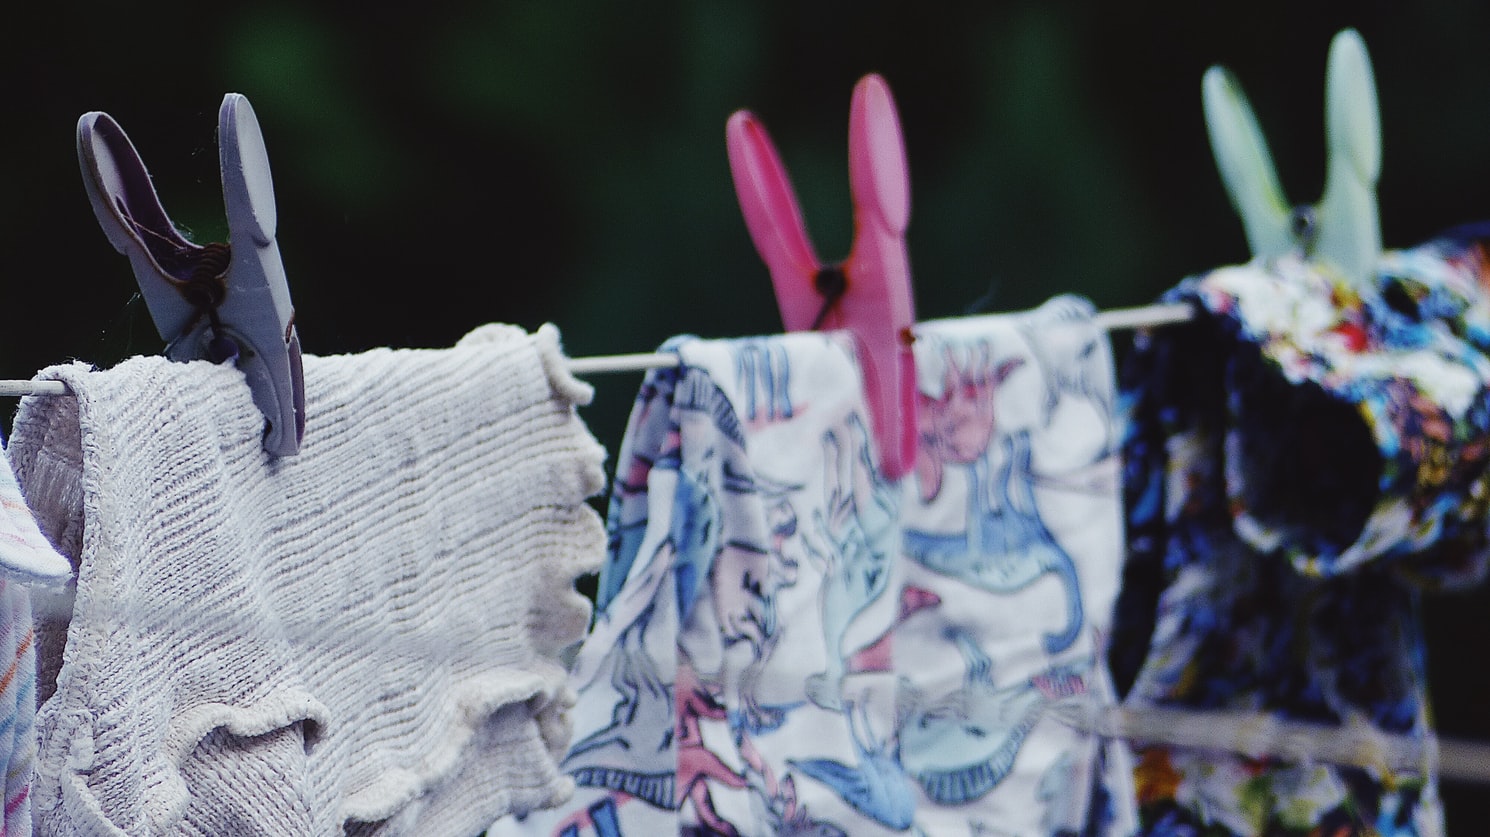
(869, 293)
(216, 302)
(1344, 228)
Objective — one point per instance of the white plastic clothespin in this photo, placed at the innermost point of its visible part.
(1344, 228)
(217, 302)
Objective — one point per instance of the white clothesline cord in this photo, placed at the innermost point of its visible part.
(1146, 316)
(1111, 320)
(1259, 735)
(621, 363)
(15, 388)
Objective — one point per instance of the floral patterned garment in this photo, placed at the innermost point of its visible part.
(1302, 462)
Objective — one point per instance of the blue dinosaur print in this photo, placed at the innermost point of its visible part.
(616, 757)
(603, 816)
(1006, 547)
(876, 787)
(856, 548)
(766, 718)
(694, 535)
(960, 747)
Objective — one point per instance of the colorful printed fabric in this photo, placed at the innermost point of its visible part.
(25, 557)
(786, 643)
(1014, 527)
(17, 705)
(1302, 463)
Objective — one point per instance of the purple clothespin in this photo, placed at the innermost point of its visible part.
(217, 302)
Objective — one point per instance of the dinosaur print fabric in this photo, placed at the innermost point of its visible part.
(1302, 463)
(787, 643)
(1012, 525)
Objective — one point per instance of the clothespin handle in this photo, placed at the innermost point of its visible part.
(219, 301)
(869, 294)
(258, 308)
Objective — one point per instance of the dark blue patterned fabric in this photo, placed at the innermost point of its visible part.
(1302, 463)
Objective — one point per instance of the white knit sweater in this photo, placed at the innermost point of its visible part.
(360, 638)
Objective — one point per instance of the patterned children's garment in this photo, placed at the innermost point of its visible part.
(17, 705)
(1302, 463)
(787, 643)
(25, 557)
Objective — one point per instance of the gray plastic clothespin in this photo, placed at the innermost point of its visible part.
(1344, 228)
(219, 301)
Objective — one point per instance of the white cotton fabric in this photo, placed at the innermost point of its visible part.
(362, 638)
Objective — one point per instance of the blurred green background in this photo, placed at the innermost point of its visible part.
(441, 165)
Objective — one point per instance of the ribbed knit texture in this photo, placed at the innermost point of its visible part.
(360, 638)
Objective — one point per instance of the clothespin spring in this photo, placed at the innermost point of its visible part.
(205, 288)
(832, 283)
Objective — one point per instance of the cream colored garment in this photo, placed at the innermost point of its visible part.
(367, 631)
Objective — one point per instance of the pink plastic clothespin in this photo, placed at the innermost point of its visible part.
(869, 293)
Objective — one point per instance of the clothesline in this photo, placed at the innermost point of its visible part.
(1359, 746)
(1110, 320)
(1354, 744)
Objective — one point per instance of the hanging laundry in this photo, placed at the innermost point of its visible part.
(26, 555)
(360, 638)
(25, 558)
(1302, 463)
(1014, 531)
(17, 705)
(787, 643)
